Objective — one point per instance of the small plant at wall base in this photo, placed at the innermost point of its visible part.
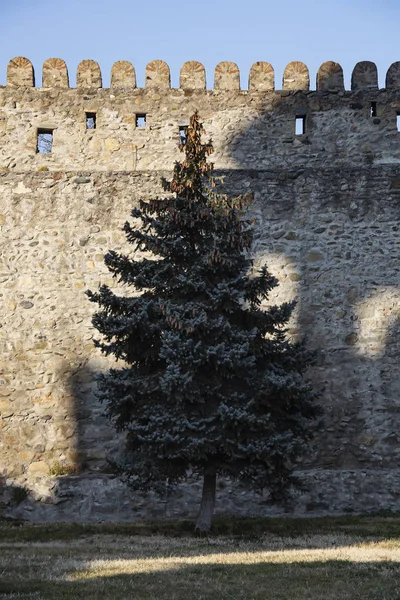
(58, 469)
(211, 385)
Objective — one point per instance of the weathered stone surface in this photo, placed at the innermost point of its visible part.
(296, 77)
(330, 77)
(55, 73)
(111, 144)
(102, 497)
(364, 76)
(26, 456)
(123, 75)
(38, 469)
(20, 72)
(192, 76)
(262, 77)
(393, 76)
(6, 409)
(27, 304)
(88, 75)
(227, 76)
(327, 214)
(314, 256)
(158, 75)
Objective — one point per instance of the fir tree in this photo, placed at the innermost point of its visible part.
(211, 385)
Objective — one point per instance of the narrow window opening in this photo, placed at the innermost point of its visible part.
(182, 134)
(44, 141)
(141, 121)
(300, 125)
(373, 111)
(90, 120)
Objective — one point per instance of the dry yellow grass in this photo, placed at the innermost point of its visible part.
(364, 554)
(326, 566)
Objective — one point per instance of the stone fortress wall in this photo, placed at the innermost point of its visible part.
(327, 207)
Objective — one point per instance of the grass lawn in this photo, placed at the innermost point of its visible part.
(260, 559)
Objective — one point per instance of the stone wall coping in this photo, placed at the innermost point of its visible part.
(20, 73)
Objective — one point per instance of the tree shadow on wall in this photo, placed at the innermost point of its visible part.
(82, 439)
(321, 228)
(90, 492)
(321, 240)
(316, 230)
(94, 436)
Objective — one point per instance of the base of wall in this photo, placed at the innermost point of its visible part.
(91, 498)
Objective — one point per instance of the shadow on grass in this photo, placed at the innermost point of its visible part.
(366, 526)
(330, 580)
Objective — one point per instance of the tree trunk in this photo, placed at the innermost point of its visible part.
(204, 519)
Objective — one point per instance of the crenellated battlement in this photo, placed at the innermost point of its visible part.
(296, 76)
(128, 128)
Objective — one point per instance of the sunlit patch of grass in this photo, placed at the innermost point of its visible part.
(364, 553)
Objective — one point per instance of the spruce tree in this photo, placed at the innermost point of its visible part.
(211, 385)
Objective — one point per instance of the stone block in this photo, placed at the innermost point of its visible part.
(55, 73)
(227, 76)
(364, 76)
(20, 72)
(38, 469)
(158, 75)
(26, 456)
(393, 76)
(262, 77)
(88, 75)
(192, 76)
(330, 77)
(6, 409)
(123, 75)
(296, 77)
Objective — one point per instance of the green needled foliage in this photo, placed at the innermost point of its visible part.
(210, 385)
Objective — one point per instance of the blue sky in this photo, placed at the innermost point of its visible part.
(209, 31)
